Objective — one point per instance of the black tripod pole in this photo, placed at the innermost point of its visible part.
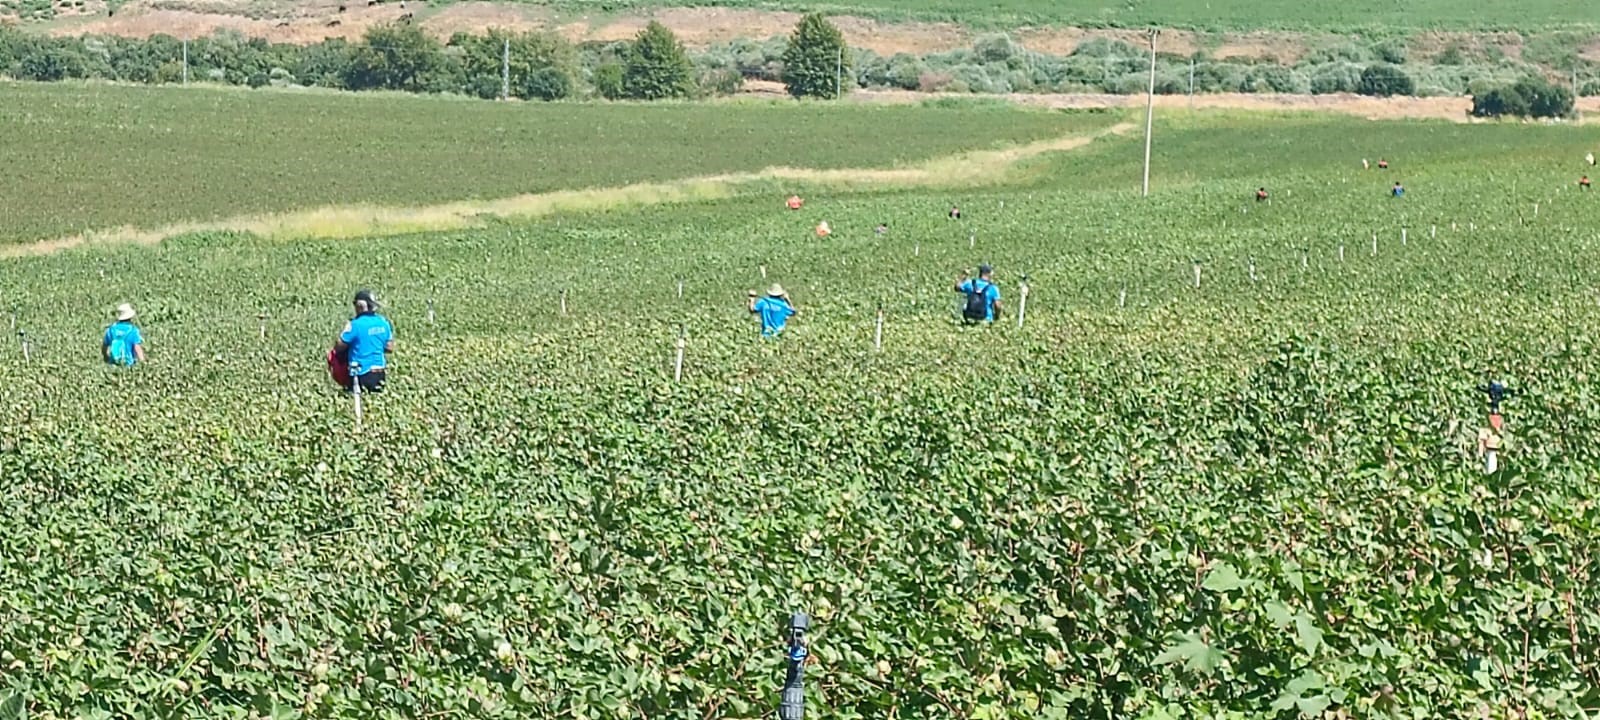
(793, 706)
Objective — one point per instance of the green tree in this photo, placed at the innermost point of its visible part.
(541, 65)
(397, 56)
(1544, 98)
(656, 66)
(1384, 80)
(608, 81)
(815, 61)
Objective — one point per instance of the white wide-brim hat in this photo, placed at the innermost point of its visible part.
(125, 312)
(776, 290)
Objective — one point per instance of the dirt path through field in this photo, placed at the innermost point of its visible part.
(980, 167)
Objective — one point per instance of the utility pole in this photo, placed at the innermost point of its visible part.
(186, 61)
(838, 75)
(1191, 83)
(505, 71)
(1150, 111)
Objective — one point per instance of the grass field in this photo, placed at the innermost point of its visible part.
(1204, 14)
(1253, 497)
(87, 157)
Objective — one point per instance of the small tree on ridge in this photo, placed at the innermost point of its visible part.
(815, 60)
(657, 66)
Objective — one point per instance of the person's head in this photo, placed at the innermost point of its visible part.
(125, 313)
(984, 271)
(776, 291)
(365, 302)
(1262, 190)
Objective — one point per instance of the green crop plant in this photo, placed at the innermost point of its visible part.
(1256, 498)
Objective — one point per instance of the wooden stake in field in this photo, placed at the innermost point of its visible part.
(877, 332)
(972, 239)
(677, 366)
(763, 272)
(680, 288)
(916, 250)
(355, 390)
(1374, 244)
(1022, 303)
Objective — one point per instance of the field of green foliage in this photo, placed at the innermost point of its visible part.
(85, 157)
(1251, 495)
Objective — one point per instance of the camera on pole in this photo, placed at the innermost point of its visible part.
(1497, 393)
(793, 706)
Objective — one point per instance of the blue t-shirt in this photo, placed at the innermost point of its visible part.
(367, 336)
(120, 340)
(1398, 191)
(774, 312)
(991, 293)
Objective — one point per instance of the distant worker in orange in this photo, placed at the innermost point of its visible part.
(1383, 164)
(1583, 182)
(1261, 195)
(795, 203)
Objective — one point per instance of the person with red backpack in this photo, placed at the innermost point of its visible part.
(983, 296)
(360, 353)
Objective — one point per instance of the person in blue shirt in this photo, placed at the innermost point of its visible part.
(365, 343)
(1398, 190)
(123, 345)
(775, 310)
(983, 296)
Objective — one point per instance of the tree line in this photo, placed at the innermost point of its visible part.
(813, 61)
(401, 56)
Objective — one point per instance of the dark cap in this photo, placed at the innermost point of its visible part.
(366, 296)
(985, 269)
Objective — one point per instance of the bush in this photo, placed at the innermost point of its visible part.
(1545, 99)
(607, 80)
(52, 64)
(258, 80)
(1384, 80)
(1499, 102)
(997, 48)
(396, 56)
(1338, 78)
(657, 66)
(1391, 51)
(813, 61)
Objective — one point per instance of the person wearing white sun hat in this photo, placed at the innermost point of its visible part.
(775, 310)
(123, 345)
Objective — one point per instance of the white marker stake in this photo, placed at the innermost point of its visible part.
(1536, 209)
(1022, 305)
(916, 251)
(763, 272)
(430, 311)
(1402, 237)
(1252, 269)
(972, 240)
(1305, 260)
(355, 390)
(1374, 244)
(1197, 276)
(1473, 227)
(1122, 298)
(563, 302)
(677, 367)
(1433, 231)
(680, 288)
(26, 356)
(263, 318)
(1341, 253)
(877, 333)
(1452, 227)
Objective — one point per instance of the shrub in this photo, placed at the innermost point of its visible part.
(396, 56)
(656, 66)
(51, 64)
(1384, 80)
(258, 80)
(1337, 78)
(1391, 51)
(1500, 102)
(608, 80)
(815, 60)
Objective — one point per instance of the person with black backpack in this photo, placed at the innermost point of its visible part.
(983, 296)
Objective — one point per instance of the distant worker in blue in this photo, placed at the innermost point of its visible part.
(360, 354)
(1398, 190)
(123, 345)
(775, 309)
(983, 296)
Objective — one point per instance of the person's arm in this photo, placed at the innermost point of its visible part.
(792, 309)
(341, 344)
(750, 301)
(961, 280)
(138, 352)
(995, 298)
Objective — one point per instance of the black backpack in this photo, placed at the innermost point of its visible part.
(977, 309)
